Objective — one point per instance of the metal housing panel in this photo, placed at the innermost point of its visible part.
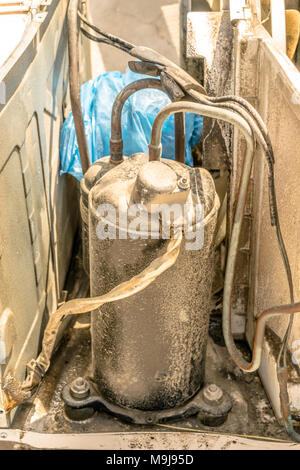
(38, 207)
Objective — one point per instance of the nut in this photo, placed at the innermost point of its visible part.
(80, 388)
(212, 394)
(183, 183)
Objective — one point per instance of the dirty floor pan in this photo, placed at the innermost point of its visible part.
(251, 414)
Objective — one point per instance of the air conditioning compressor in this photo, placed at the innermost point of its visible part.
(148, 349)
(149, 231)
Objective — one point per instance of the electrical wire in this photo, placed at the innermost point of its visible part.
(100, 40)
(259, 129)
(264, 140)
(115, 41)
(261, 132)
(282, 356)
(273, 209)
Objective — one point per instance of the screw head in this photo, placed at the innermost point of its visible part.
(80, 388)
(183, 183)
(3, 435)
(212, 394)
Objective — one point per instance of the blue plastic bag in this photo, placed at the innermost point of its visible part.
(139, 113)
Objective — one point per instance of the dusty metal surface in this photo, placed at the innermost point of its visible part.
(91, 177)
(19, 440)
(215, 58)
(82, 398)
(36, 237)
(251, 413)
(140, 353)
(274, 81)
(44, 423)
(264, 76)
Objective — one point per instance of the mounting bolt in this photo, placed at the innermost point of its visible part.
(183, 183)
(3, 435)
(212, 394)
(80, 388)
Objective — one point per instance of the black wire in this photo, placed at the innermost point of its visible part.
(252, 111)
(274, 217)
(101, 40)
(266, 144)
(94, 38)
(256, 123)
(264, 138)
(114, 39)
(274, 214)
(267, 147)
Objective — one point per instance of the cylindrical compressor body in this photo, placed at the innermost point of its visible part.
(148, 350)
(91, 177)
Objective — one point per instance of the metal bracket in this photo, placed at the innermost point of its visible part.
(210, 413)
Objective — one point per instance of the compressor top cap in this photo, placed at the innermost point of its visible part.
(157, 177)
(158, 183)
(138, 181)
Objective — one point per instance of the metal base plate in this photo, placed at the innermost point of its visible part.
(79, 409)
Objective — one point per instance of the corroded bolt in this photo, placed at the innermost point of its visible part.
(212, 394)
(183, 183)
(80, 388)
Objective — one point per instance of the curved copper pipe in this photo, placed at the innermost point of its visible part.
(116, 141)
(289, 309)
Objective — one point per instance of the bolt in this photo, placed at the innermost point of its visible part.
(3, 435)
(80, 388)
(212, 394)
(183, 183)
